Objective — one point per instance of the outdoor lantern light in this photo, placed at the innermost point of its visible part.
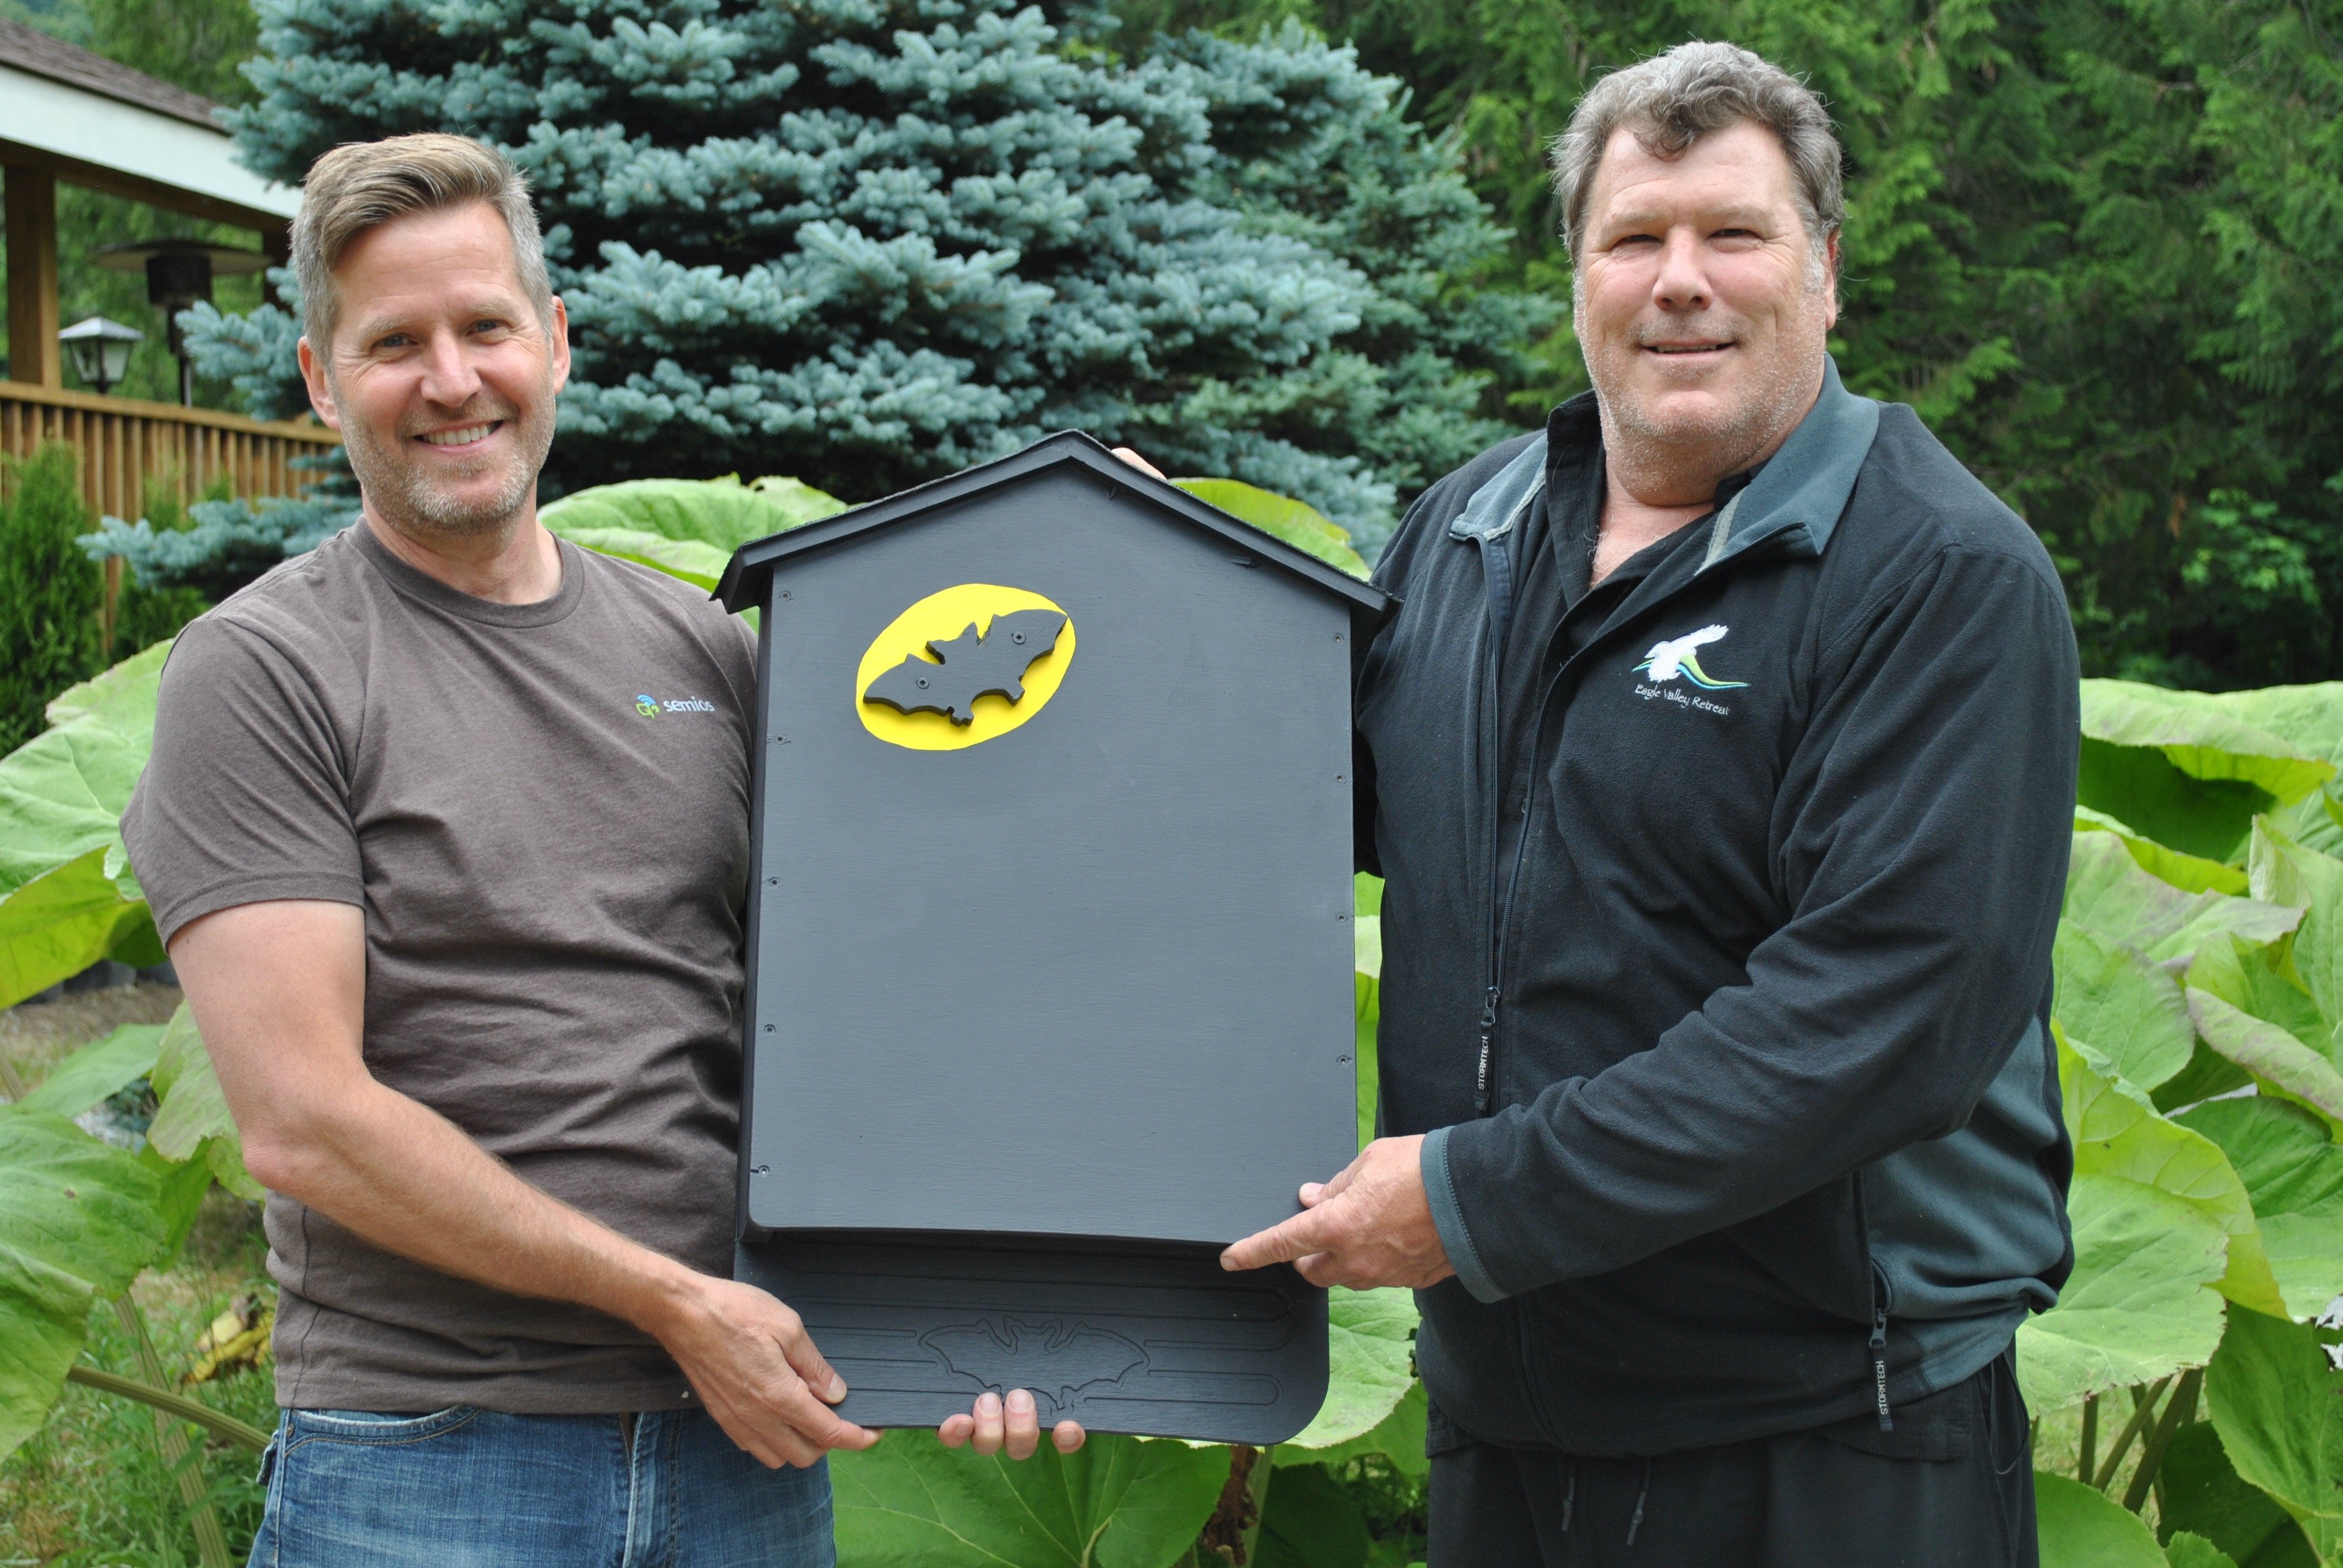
(179, 274)
(100, 350)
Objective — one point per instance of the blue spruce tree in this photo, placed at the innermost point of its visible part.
(866, 242)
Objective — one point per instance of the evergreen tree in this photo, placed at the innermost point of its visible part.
(48, 591)
(867, 243)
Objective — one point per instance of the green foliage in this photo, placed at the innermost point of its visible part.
(48, 589)
(2293, 1173)
(686, 527)
(2150, 1243)
(1300, 526)
(77, 1221)
(2204, 1496)
(1370, 1336)
(1117, 1503)
(1308, 1521)
(2277, 1402)
(66, 896)
(2081, 1527)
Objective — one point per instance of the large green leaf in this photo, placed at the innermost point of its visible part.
(2299, 875)
(192, 1122)
(96, 1070)
(1298, 524)
(2117, 1133)
(1308, 1521)
(2138, 1305)
(2259, 980)
(78, 1223)
(1399, 1438)
(2184, 769)
(696, 563)
(1368, 1349)
(722, 513)
(2277, 1403)
(2310, 720)
(2082, 1527)
(2190, 873)
(2115, 999)
(1367, 991)
(61, 797)
(2107, 892)
(1118, 1502)
(2186, 1550)
(2202, 1493)
(2270, 1055)
(2201, 736)
(2293, 1170)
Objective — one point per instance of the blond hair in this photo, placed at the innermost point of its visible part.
(362, 185)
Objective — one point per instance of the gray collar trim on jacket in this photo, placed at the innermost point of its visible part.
(1798, 495)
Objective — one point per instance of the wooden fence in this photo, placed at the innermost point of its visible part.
(127, 443)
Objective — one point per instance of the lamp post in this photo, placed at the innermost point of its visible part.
(179, 274)
(100, 350)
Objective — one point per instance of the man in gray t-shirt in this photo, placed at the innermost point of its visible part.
(447, 829)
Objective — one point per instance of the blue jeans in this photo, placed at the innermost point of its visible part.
(468, 1488)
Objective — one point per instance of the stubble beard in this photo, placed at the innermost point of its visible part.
(1656, 453)
(402, 497)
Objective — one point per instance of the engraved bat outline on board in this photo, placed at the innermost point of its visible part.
(970, 665)
(999, 1353)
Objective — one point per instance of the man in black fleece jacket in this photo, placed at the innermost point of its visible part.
(1720, 765)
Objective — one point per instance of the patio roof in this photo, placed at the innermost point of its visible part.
(94, 123)
(68, 114)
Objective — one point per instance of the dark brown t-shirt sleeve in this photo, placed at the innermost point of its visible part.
(244, 799)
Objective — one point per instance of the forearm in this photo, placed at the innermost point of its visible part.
(412, 1182)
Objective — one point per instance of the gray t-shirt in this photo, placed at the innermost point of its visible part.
(543, 812)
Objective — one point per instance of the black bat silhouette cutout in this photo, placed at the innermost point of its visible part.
(972, 667)
(1055, 1359)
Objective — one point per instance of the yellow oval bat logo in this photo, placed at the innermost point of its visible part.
(963, 666)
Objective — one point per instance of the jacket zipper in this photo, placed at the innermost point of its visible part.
(1880, 1294)
(1497, 570)
(1879, 1347)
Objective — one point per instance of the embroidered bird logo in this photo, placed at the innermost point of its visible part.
(1675, 657)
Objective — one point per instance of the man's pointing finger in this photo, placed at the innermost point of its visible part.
(1281, 1243)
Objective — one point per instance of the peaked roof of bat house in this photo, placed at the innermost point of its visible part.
(748, 578)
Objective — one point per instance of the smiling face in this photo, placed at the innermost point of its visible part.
(1702, 308)
(440, 376)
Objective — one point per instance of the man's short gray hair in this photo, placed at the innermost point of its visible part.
(1673, 100)
(362, 185)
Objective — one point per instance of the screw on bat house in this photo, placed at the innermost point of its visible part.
(761, 1171)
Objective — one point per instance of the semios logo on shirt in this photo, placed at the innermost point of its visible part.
(650, 707)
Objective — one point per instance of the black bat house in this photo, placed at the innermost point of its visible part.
(972, 666)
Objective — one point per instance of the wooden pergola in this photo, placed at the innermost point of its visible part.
(67, 114)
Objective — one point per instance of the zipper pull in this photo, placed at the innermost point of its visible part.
(1488, 1035)
(1879, 1366)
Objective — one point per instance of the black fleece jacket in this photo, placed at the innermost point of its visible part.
(1742, 1109)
